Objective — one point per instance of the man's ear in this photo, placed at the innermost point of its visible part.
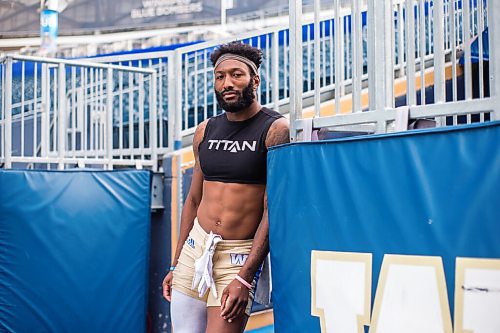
(256, 82)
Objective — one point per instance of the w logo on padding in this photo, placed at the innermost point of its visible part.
(238, 259)
(190, 242)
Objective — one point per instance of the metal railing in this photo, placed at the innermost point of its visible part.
(334, 62)
(418, 41)
(162, 63)
(358, 53)
(60, 112)
(185, 76)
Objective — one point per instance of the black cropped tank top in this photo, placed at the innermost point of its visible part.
(235, 151)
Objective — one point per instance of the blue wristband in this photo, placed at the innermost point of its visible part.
(172, 268)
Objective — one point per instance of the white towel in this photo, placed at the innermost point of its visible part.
(203, 267)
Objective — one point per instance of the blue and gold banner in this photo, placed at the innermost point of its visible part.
(387, 233)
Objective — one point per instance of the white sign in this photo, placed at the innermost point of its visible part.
(155, 8)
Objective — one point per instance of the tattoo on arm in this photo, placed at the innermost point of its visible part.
(279, 133)
(259, 251)
(262, 251)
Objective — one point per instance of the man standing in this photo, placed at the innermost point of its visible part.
(224, 225)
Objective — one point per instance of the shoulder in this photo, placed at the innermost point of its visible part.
(271, 113)
(199, 133)
(279, 132)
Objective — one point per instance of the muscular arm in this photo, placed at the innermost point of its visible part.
(193, 199)
(233, 301)
(189, 210)
(260, 248)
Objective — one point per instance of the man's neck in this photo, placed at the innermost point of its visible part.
(244, 114)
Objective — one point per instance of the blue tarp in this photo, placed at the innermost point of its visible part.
(427, 193)
(74, 251)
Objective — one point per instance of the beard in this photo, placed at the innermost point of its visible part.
(245, 99)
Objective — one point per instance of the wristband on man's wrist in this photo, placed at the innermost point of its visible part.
(243, 282)
(172, 268)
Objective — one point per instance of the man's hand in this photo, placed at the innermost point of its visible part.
(234, 300)
(167, 286)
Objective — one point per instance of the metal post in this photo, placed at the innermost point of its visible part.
(140, 102)
(401, 48)
(61, 139)
(410, 53)
(153, 119)
(295, 65)
(371, 55)
(480, 25)
(453, 32)
(423, 45)
(45, 111)
(178, 101)
(339, 53)
(466, 43)
(317, 51)
(389, 50)
(223, 12)
(172, 104)
(275, 70)
(439, 61)
(2, 108)
(8, 114)
(380, 61)
(494, 45)
(109, 118)
(357, 50)
(439, 57)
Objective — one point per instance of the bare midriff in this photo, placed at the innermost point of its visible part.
(231, 210)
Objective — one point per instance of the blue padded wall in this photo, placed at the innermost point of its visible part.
(427, 193)
(74, 251)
